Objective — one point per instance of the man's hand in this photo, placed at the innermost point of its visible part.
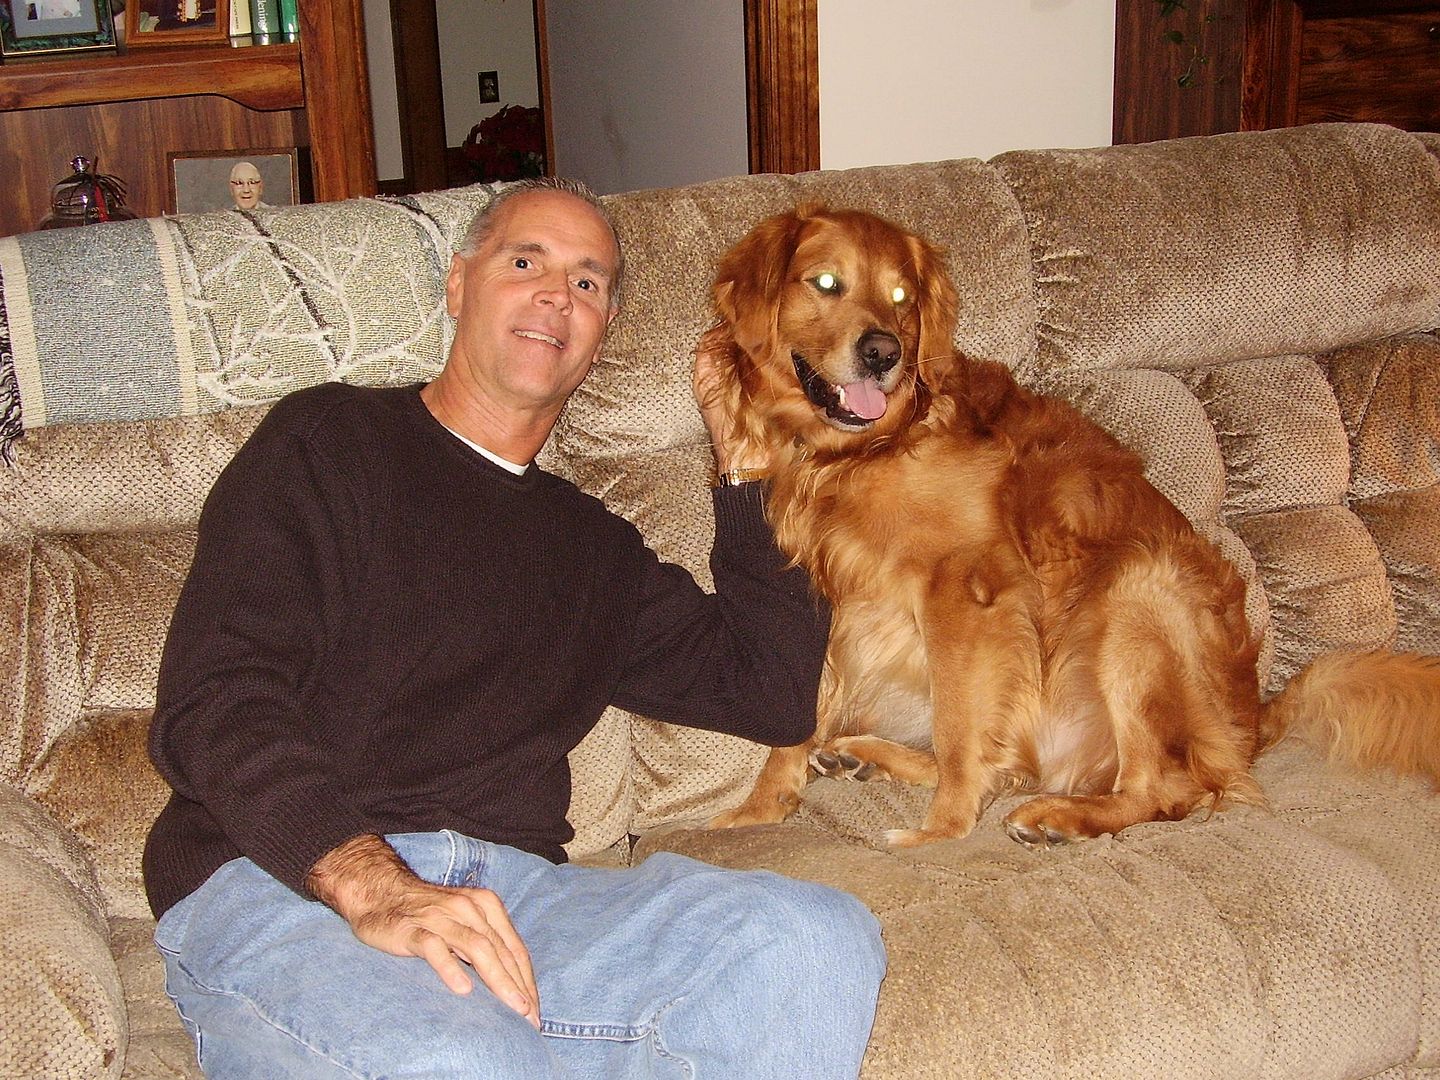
(709, 395)
(391, 909)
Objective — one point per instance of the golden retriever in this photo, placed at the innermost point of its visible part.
(1015, 606)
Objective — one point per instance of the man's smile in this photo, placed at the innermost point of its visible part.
(536, 335)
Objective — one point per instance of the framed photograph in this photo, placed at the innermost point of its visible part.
(204, 180)
(36, 27)
(176, 22)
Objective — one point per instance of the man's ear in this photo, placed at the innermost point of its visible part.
(455, 285)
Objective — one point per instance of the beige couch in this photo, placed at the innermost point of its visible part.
(1253, 313)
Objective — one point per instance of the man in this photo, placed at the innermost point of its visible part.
(247, 186)
(395, 629)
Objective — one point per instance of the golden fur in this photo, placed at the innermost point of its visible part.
(1015, 606)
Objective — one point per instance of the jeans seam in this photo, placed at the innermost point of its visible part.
(268, 1022)
(658, 1041)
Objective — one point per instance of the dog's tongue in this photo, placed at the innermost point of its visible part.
(865, 399)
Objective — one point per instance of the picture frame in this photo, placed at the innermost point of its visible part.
(201, 180)
(45, 27)
(176, 22)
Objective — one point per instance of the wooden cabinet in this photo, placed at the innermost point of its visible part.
(127, 110)
(1255, 64)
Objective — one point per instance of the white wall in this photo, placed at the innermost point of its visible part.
(927, 80)
(484, 35)
(475, 36)
(650, 93)
(647, 93)
(380, 53)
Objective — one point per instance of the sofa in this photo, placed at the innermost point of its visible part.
(1254, 313)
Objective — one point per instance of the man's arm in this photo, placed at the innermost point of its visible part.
(745, 660)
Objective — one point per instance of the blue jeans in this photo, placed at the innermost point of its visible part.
(669, 969)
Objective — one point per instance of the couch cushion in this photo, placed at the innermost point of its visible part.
(1296, 943)
(1230, 247)
(60, 992)
(1389, 399)
(226, 309)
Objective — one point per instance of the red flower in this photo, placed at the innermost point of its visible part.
(508, 145)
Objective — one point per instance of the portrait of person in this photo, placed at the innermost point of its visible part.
(243, 180)
(247, 186)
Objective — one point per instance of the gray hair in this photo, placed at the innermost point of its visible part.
(484, 221)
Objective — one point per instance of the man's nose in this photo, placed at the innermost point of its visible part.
(554, 289)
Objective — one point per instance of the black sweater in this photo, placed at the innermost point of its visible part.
(384, 632)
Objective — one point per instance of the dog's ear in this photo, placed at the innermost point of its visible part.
(938, 305)
(750, 277)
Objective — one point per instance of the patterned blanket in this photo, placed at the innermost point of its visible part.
(198, 313)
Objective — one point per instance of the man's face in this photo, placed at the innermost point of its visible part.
(533, 303)
(246, 186)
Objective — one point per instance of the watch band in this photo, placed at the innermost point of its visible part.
(736, 477)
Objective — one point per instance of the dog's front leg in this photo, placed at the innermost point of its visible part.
(776, 794)
(984, 657)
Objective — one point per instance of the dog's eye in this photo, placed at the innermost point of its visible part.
(898, 294)
(827, 283)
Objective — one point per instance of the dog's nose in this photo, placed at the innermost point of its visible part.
(879, 351)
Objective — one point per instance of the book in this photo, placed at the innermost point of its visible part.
(290, 19)
(240, 18)
(265, 17)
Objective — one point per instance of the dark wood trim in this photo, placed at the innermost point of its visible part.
(542, 76)
(416, 37)
(337, 100)
(782, 83)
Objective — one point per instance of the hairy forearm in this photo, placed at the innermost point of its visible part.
(358, 876)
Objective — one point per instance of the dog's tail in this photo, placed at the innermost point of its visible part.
(1375, 710)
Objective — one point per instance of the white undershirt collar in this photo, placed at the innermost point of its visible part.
(508, 466)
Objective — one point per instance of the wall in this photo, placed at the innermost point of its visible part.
(484, 35)
(914, 80)
(926, 80)
(475, 36)
(384, 107)
(647, 93)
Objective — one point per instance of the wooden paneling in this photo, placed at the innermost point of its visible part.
(1384, 68)
(1151, 102)
(1275, 63)
(129, 139)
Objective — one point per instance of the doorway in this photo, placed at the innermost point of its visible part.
(781, 89)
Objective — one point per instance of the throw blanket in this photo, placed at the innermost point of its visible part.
(204, 312)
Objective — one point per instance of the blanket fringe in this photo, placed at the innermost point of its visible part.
(11, 425)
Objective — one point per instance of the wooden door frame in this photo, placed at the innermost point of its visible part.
(782, 88)
(782, 85)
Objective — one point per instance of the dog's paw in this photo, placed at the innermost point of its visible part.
(1044, 823)
(839, 765)
(750, 814)
(1037, 835)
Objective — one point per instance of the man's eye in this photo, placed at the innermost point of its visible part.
(586, 284)
(522, 263)
(827, 283)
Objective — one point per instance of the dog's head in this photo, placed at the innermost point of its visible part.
(838, 326)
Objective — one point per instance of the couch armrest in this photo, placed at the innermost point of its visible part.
(61, 1003)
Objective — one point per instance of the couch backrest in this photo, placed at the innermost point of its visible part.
(1248, 311)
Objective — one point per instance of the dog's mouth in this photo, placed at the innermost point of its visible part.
(851, 407)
